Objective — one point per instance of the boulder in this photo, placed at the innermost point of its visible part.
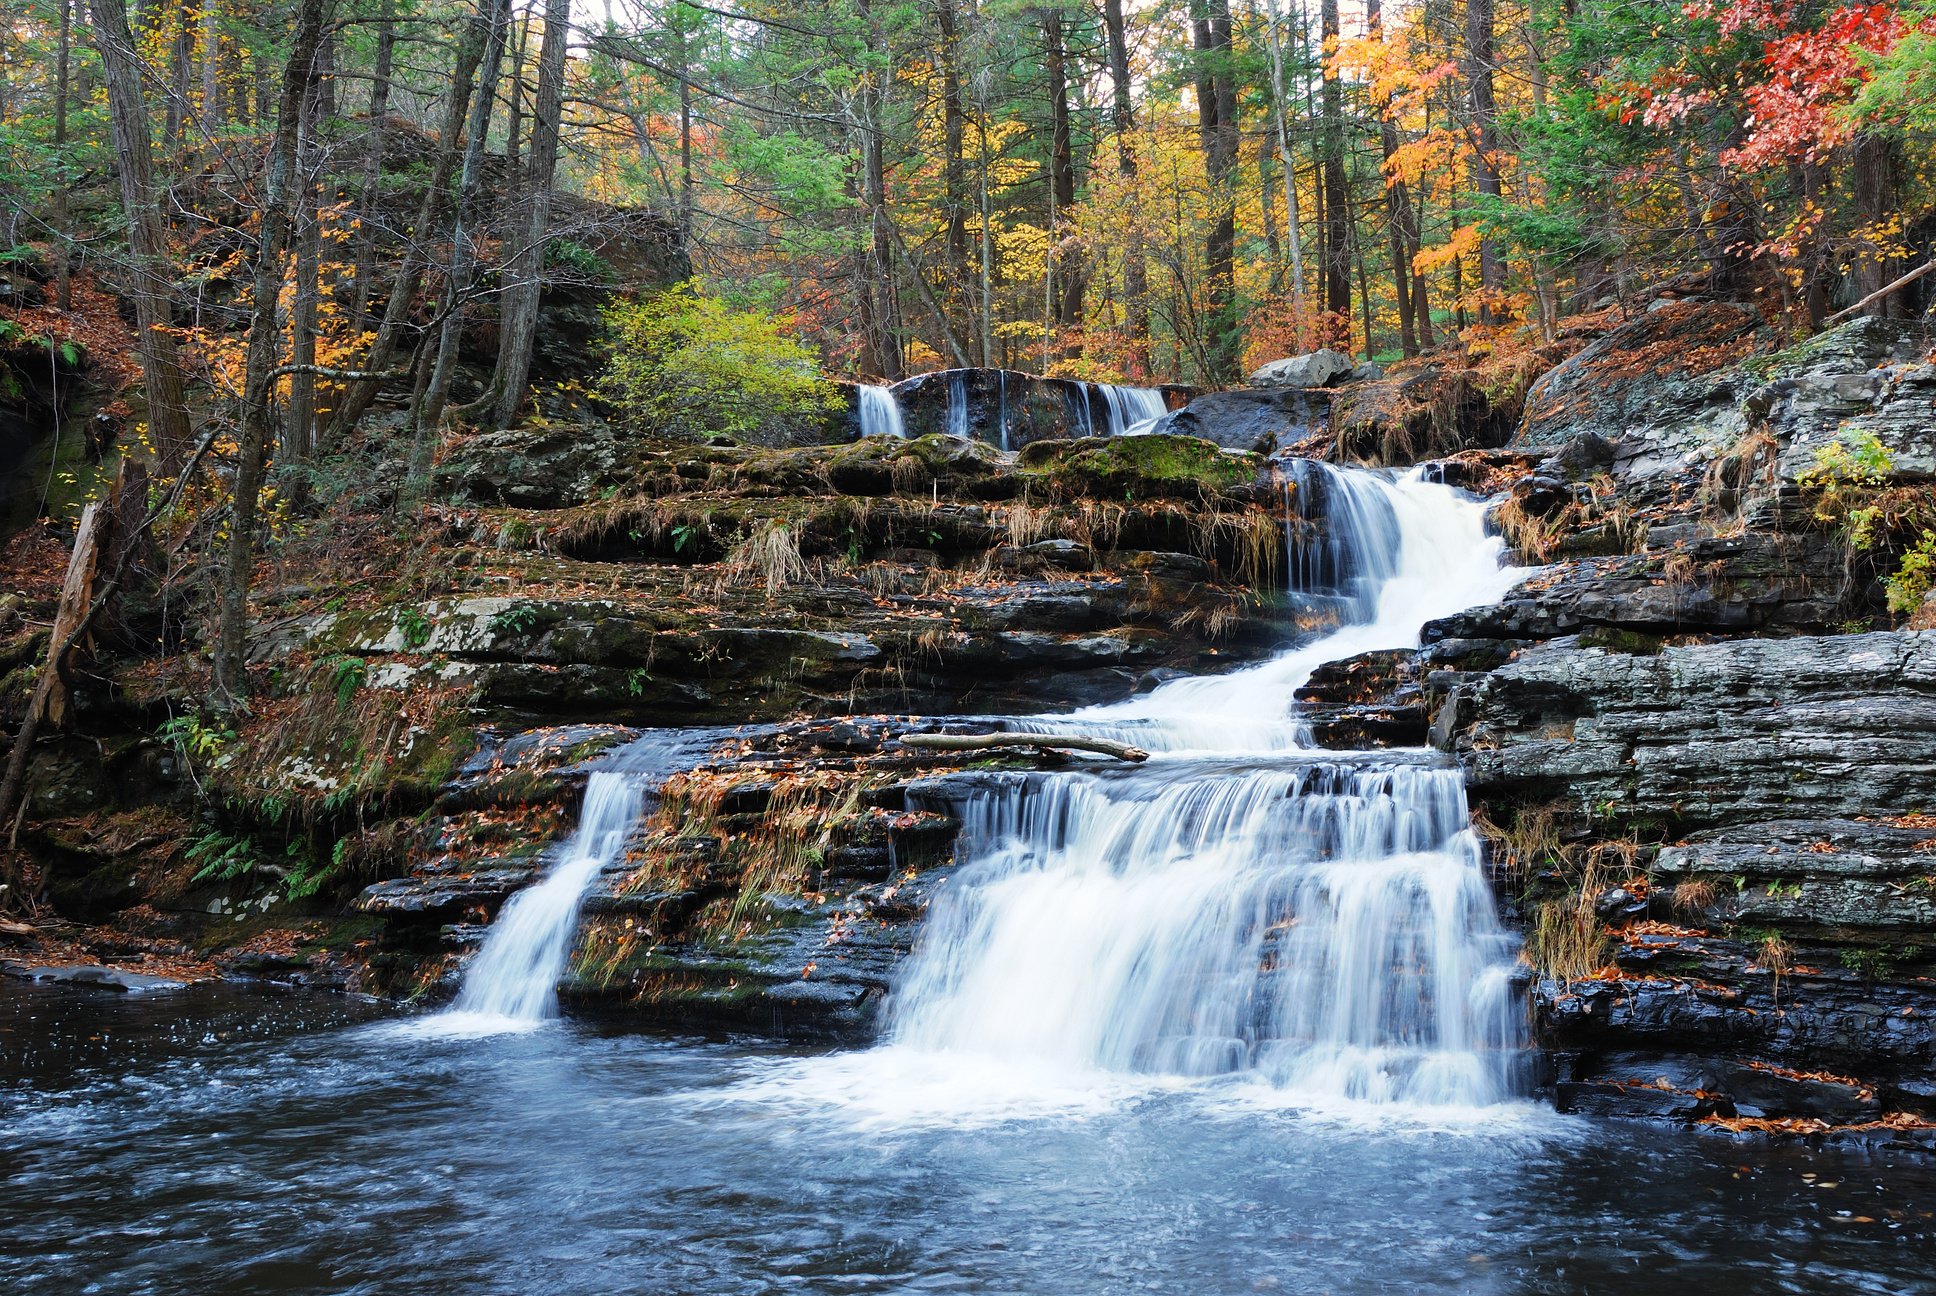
(1262, 420)
(1321, 368)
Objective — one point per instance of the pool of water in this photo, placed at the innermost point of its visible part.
(219, 1140)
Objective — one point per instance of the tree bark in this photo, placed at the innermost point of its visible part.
(518, 312)
(1066, 253)
(1337, 201)
(463, 248)
(1123, 122)
(1400, 230)
(366, 200)
(1217, 130)
(258, 417)
(299, 422)
(410, 272)
(1274, 43)
(1485, 141)
(954, 182)
(151, 279)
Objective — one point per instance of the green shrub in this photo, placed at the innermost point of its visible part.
(692, 365)
(1914, 576)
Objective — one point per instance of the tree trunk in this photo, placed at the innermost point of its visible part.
(258, 418)
(954, 181)
(299, 422)
(1875, 194)
(463, 248)
(366, 200)
(1485, 143)
(1123, 122)
(524, 276)
(151, 279)
(877, 275)
(1066, 253)
(63, 63)
(1274, 44)
(1217, 127)
(1399, 230)
(1337, 201)
(409, 274)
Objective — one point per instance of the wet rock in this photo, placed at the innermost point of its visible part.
(1258, 420)
(442, 897)
(119, 980)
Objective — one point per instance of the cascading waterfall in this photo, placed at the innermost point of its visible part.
(1244, 903)
(880, 412)
(1126, 410)
(511, 983)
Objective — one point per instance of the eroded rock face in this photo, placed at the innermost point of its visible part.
(1774, 965)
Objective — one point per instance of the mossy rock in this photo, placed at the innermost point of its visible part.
(1137, 465)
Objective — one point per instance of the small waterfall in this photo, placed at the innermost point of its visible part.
(1318, 921)
(511, 983)
(880, 412)
(1126, 410)
(1132, 408)
(957, 404)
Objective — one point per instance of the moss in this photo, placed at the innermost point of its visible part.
(1138, 465)
(1613, 639)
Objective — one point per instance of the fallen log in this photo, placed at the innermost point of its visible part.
(1043, 742)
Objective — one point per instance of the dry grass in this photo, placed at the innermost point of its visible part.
(1534, 539)
(1028, 524)
(1693, 896)
(771, 554)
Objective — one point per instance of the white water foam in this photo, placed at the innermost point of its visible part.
(879, 411)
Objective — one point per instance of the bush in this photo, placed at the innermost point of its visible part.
(692, 365)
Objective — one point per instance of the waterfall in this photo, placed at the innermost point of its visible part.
(880, 412)
(511, 983)
(957, 404)
(1243, 903)
(1132, 408)
(1126, 410)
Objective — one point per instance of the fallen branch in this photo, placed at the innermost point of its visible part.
(1879, 294)
(1044, 742)
(339, 375)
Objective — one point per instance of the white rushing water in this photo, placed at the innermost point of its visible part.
(511, 983)
(1245, 904)
(1125, 409)
(879, 411)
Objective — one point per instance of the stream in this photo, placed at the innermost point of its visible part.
(222, 1140)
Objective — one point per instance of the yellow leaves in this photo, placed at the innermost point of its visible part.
(1464, 242)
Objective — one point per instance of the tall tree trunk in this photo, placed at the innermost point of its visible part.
(1280, 114)
(877, 277)
(1123, 122)
(1072, 276)
(518, 329)
(1485, 141)
(259, 376)
(686, 190)
(463, 248)
(409, 274)
(954, 181)
(63, 65)
(1217, 128)
(1874, 167)
(299, 421)
(181, 59)
(151, 280)
(366, 199)
(1337, 200)
(1400, 233)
